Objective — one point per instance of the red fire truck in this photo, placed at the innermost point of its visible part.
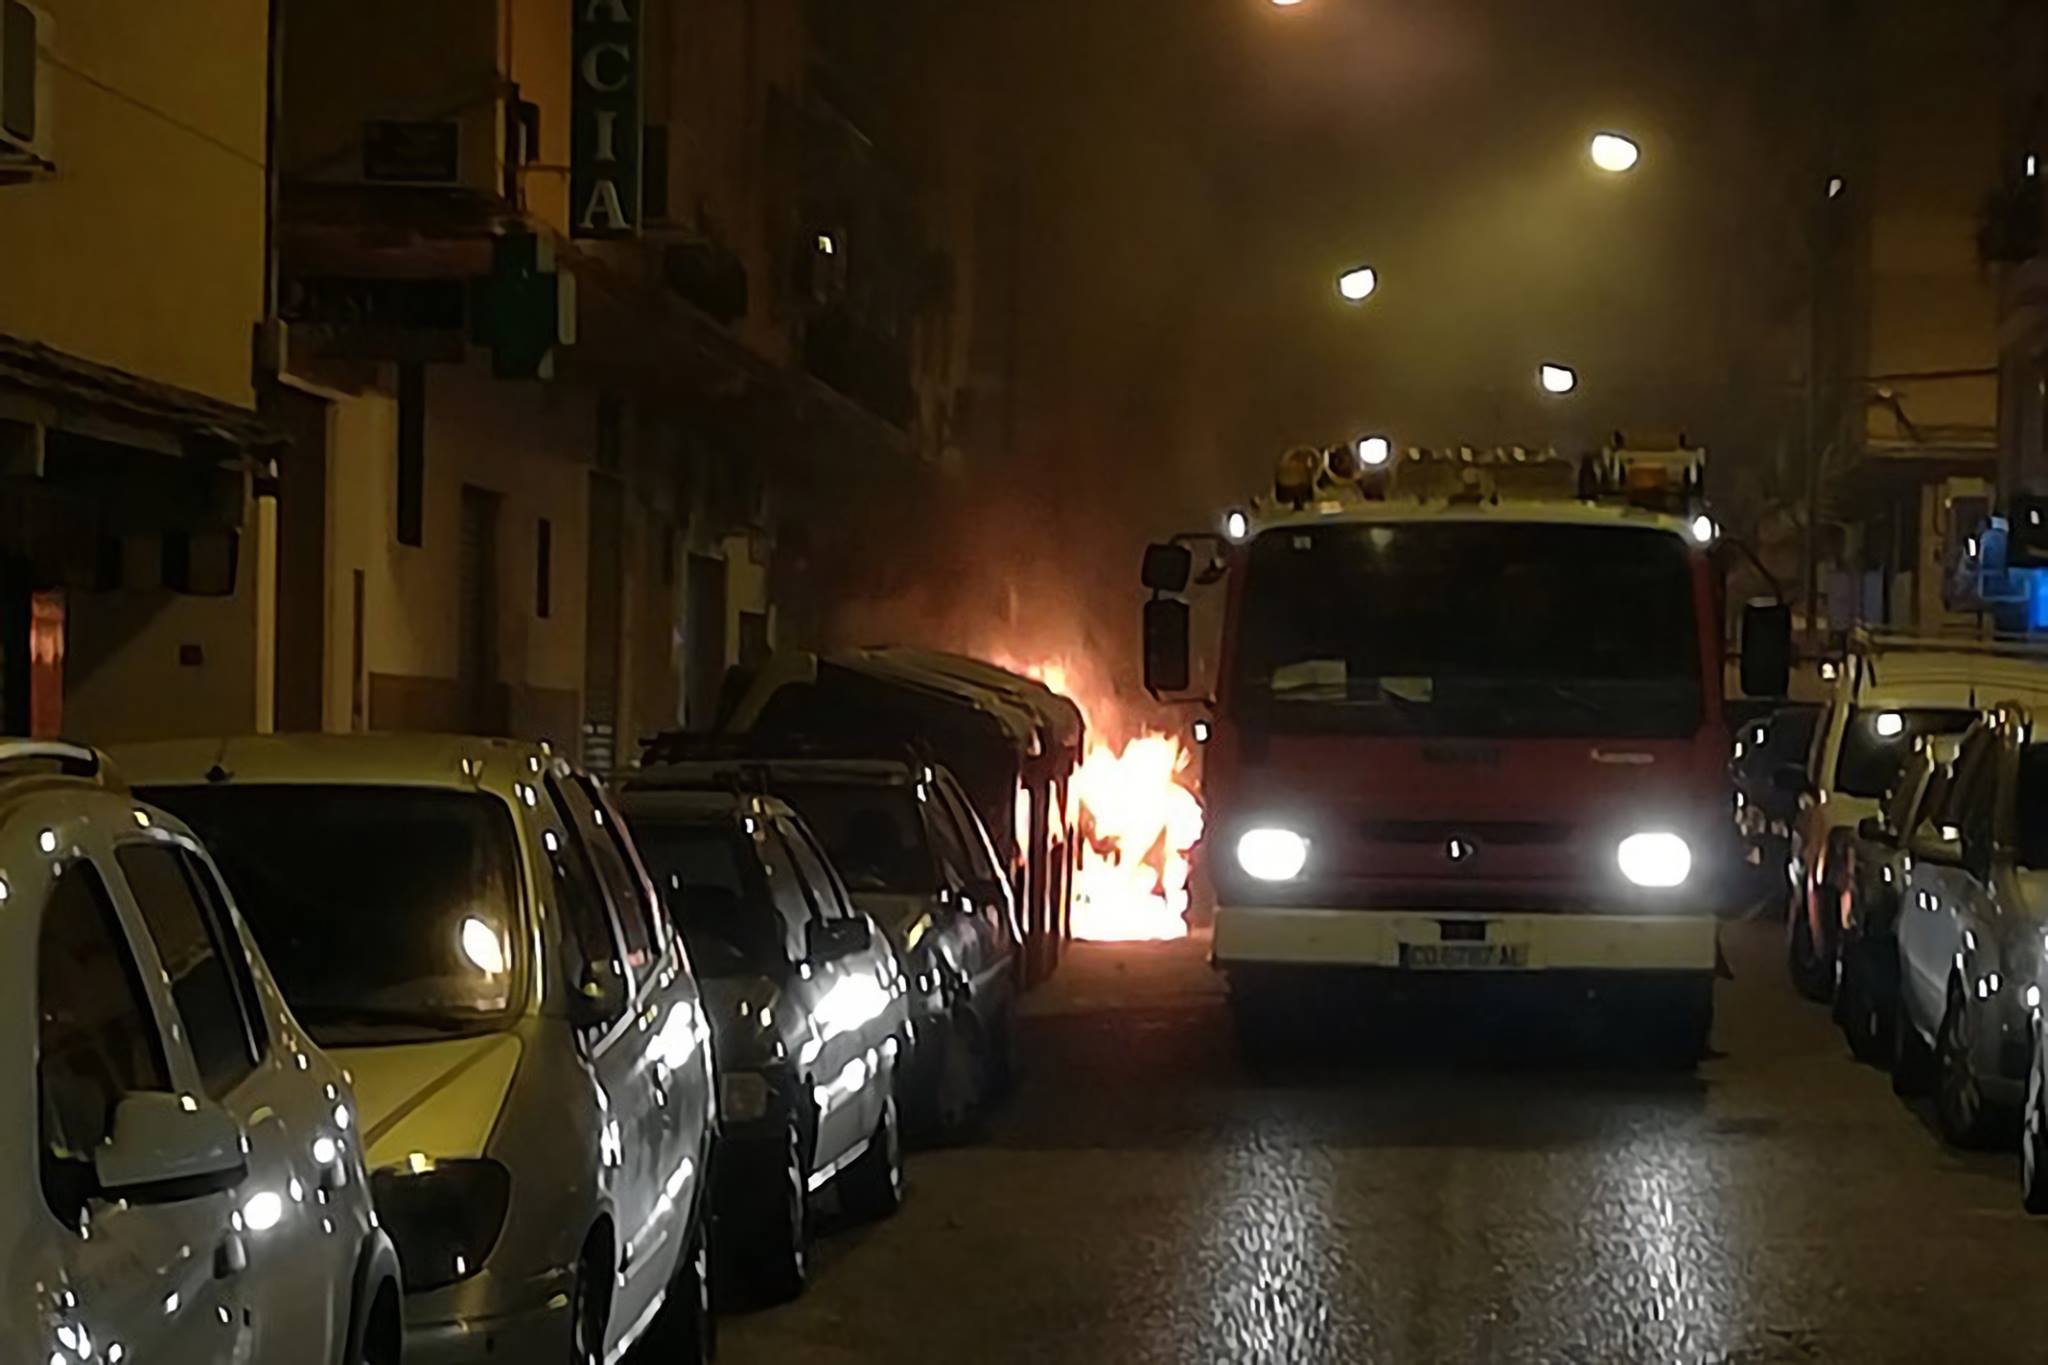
(1467, 720)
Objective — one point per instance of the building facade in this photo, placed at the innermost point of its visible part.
(132, 561)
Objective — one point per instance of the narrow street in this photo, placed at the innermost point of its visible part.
(1144, 1199)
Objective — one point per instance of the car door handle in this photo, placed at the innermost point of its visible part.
(231, 1257)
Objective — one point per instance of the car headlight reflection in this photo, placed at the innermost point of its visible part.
(1659, 860)
(1272, 855)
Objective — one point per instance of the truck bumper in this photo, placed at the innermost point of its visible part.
(1473, 940)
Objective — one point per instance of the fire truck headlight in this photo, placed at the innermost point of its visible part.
(1658, 860)
(1272, 855)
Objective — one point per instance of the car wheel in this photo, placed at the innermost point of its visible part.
(686, 1332)
(1685, 1025)
(2034, 1137)
(1266, 1028)
(589, 1308)
(962, 1074)
(381, 1340)
(1863, 1001)
(1912, 1062)
(1965, 1116)
(1812, 975)
(873, 1186)
(776, 1251)
(1002, 1054)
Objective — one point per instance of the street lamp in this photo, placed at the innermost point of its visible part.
(1614, 153)
(1357, 283)
(1557, 378)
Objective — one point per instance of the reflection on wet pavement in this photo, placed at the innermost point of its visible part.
(1145, 1199)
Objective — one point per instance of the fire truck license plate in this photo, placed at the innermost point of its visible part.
(1464, 957)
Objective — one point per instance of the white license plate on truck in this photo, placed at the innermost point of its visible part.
(1464, 957)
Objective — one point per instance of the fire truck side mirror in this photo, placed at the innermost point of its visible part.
(1168, 567)
(1166, 646)
(1766, 649)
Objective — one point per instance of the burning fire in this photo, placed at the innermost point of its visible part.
(1139, 820)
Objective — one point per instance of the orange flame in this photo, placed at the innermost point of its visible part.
(1139, 821)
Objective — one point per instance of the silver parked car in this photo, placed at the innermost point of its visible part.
(915, 857)
(184, 1179)
(466, 924)
(808, 1021)
(1970, 925)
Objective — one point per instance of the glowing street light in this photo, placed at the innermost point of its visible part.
(1557, 378)
(1614, 153)
(1374, 451)
(1357, 283)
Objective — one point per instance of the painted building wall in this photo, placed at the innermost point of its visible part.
(151, 105)
(526, 443)
(1935, 140)
(142, 663)
(350, 61)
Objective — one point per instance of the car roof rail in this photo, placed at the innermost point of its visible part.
(72, 760)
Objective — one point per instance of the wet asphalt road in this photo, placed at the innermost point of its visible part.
(1143, 1198)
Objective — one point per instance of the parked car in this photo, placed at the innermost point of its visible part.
(184, 1180)
(467, 926)
(1970, 932)
(1890, 691)
(1873, 878)
(1765, 810)
(808, 1021)
(915, 856)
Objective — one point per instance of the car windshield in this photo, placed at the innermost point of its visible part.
(1879, 738)
(710, 879)
(874, 832)
(1470, 628)
(387, 914)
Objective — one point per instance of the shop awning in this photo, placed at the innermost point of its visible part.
(49, 388)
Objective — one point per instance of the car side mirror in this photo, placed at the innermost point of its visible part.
(1167, 664)
(1168, 567)
(600, 998)
(827, 940)
(1872, 827)
(166, 1147)
(1766, 649)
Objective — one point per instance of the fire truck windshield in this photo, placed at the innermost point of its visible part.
(1469, 628)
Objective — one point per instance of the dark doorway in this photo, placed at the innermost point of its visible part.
(704, 632)
(601, 622)
(16, 600)
(301, 562)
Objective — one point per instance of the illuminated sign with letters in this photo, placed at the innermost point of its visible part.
(604, 158)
